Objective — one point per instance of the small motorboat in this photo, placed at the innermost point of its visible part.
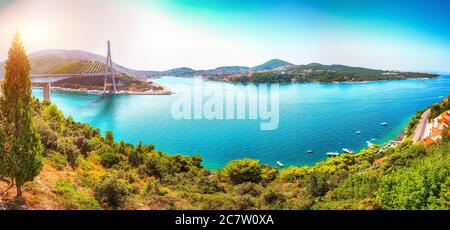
(369, 144)
(384, 124)
(310, 151)
(358, 132)
(347, 151)
(333, 154)
(280, 164)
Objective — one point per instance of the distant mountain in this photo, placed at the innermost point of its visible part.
(67, 54)
(225, 70)
(221, 71)
(179, 72)
(47, 61)
(53, 60)
(71, 55)
(232, 68)
(270, 65)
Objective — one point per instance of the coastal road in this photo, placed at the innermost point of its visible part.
(420, 128)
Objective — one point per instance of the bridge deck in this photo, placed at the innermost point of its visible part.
(51, 78)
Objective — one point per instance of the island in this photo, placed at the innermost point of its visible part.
(316, 72)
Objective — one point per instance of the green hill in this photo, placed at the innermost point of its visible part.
(47, 63)
(270, 65)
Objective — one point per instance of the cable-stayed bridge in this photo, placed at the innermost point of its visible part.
(93, 68)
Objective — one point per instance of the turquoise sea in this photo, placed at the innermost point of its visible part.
(320, 117)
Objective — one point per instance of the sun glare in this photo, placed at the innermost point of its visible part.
(34, 33)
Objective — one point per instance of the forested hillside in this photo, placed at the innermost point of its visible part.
(85, 170)
(316, 72)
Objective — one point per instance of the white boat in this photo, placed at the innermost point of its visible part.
(384, 124)
(369, 144)
(358, 132)
(280, 164)
(310, 151)
(333, 154)
(347, 150)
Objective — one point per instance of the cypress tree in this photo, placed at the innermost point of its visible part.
(22, 159)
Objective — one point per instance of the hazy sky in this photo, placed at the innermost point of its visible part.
(202, 34)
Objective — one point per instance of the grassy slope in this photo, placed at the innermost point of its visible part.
(84, 170)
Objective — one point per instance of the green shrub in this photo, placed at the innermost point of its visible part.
(272, 199)
(109, 137)
(357, 186)
(293, 174)
(73, 199)
(67, 147)
(112, 191)
(208, 185)
(248, 188)
(48, 136)
(83, 144)
(420, 185)
(157, 164)
(53, 113)
(108, 156)
(57, 160)
(245, 170)
(153, 188)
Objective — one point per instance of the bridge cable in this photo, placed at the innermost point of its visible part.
(92, 64)
(100, 67)
(95, 68)
(85, 67)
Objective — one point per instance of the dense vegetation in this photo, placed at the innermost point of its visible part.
(115, 175)
(325, 73)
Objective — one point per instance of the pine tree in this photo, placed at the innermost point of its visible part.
(22, 160)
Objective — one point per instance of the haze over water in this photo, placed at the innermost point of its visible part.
(320, 117)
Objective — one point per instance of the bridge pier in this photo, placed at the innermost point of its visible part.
(47, 91)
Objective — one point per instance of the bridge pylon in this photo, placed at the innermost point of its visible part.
(110, 71)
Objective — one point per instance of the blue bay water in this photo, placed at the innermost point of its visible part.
(320, 117)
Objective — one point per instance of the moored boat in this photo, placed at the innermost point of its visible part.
(280, 164)
(333, 154)
(347, 150)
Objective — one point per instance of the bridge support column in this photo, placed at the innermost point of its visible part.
(47, 91)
